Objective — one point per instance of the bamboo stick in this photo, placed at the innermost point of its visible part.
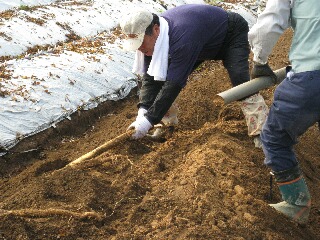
(97, 151)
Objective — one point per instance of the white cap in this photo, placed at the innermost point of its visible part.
(134, 26)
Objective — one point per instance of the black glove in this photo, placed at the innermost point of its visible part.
(262, 70)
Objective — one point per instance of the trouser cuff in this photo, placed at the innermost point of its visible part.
(287, 175)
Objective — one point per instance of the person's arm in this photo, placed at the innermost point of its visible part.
(148, 91)
(270, 25)
(153, 115)
(158, 96)
(163, 102)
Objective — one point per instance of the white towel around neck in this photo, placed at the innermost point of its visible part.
(159, 62)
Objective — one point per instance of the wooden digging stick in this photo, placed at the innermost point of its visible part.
(107, 145)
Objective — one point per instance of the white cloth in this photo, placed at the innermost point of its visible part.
(138, 64)
(271, 23)
(159, 63)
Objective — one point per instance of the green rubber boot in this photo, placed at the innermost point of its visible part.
(295, 193)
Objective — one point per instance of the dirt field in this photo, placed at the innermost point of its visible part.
(206, 181)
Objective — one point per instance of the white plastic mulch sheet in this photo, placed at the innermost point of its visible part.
(48, 88)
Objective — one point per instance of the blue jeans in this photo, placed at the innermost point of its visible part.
(295, 108)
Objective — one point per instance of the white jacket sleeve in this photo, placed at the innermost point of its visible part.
(270, 25)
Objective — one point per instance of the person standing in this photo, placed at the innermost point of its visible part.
(296, 104)
(169, 47)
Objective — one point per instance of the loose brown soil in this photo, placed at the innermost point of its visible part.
(206, 181)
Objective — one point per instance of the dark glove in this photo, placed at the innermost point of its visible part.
(262, 70)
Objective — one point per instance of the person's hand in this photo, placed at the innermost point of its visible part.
(262, 70)
(141, 126)
(141, 113)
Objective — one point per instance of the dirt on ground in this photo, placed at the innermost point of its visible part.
(205, 181)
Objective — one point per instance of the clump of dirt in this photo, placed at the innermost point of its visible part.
(206, 181)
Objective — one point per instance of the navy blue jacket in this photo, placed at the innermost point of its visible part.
(196, 33)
